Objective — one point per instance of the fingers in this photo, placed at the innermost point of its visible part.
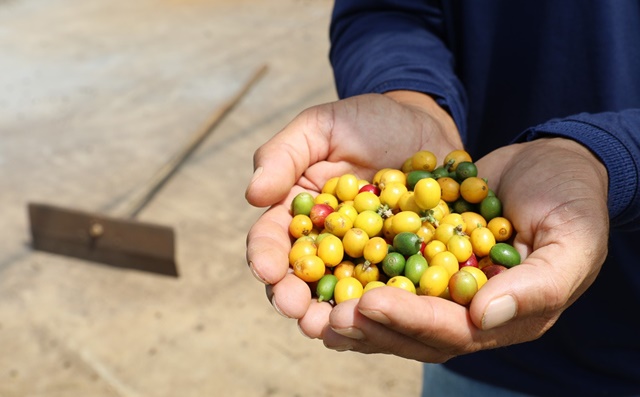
(526, 294)
(291, 297)
(352, 329)
(513, 307)
(268, 244)
(550, 279)
(315, 322)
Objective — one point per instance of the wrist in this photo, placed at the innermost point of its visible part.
(428, 105)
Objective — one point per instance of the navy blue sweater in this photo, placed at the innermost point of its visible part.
(517, 70)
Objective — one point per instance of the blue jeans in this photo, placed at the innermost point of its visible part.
(438, 381)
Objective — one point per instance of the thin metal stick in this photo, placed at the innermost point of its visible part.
(148, 191)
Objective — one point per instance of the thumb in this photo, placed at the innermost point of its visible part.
(280, 163)
(532, 294)
(503, 297)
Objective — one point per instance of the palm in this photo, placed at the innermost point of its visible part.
(357, 135)
(547, 194)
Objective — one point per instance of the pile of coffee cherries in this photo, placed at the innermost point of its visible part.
(428, 228)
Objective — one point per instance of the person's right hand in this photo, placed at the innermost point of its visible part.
(554, 192)
(358, 135)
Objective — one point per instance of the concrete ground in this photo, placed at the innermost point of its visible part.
(95, 95)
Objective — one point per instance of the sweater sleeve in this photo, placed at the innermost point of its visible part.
(614, 137)
(380, 46)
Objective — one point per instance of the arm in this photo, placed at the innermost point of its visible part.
(395, 45)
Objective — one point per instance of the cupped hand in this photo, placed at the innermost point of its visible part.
(555, 193)
(358, 135)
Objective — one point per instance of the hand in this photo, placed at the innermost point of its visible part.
(555, 193)
(358, 135)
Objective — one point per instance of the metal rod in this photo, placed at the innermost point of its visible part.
(148, 191)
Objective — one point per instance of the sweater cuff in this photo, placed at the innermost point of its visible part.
(617, 159)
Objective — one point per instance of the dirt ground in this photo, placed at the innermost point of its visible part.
(96, 95)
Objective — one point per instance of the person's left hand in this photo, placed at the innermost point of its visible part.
(555, 193)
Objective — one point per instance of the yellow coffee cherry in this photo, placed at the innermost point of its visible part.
(347, 187)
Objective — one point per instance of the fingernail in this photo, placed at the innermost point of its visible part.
(275, 306)
(256, 174)
(499, 311)
(349, 332)
(342, 348)
(376, 316)
(255, 273)
(268, 289)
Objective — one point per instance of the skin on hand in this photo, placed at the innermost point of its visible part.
(358, 135)
(555, 193)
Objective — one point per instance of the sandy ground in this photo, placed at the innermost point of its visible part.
(95, 95)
